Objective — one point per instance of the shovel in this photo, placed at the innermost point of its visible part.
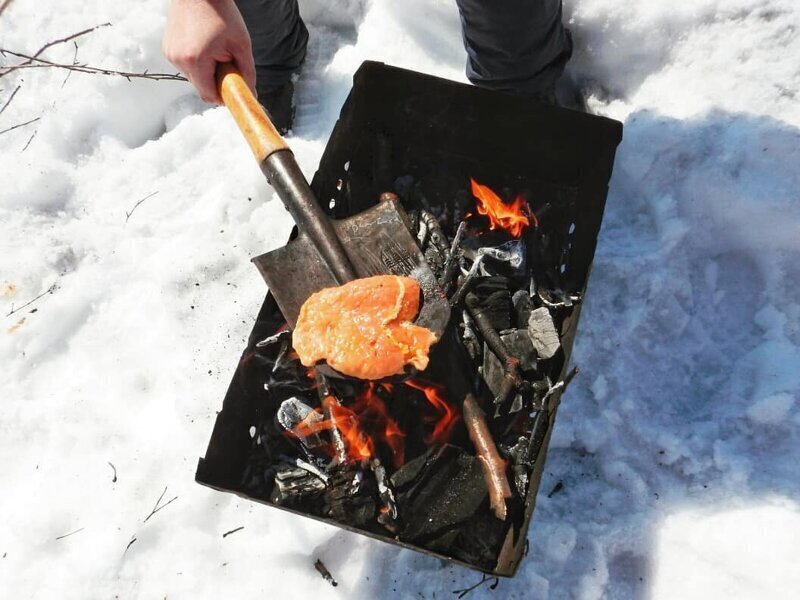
(326, 252)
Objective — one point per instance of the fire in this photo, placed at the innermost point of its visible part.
(513, 218)
(448, 416)
(367, 413)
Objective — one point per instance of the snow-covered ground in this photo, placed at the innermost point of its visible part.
(677, 446)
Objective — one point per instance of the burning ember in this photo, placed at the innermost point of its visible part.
(363, 426)
(435, 395)
(513, 218)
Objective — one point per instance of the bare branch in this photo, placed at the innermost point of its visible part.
(5, 5)
(19, 125)
(158, 506)
(49, 290)
(226, 534)
(33, 62)
(135, 206)
(14, 93)
(66, 535)
(30, 139)
(49, 45)
(74, 62)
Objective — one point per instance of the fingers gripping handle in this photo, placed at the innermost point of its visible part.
(253, 121)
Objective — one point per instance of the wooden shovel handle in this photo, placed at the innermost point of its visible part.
(251, 118)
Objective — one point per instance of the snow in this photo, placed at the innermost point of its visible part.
(676, 447)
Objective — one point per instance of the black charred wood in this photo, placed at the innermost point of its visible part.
(523, 306)
(495, 343)
(438, 491)
(293, 485)
(495, 299)
(350, 496)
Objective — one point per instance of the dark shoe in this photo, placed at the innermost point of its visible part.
(278, 102)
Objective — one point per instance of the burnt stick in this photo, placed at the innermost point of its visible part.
(492, 463)
(328, 402)
(511, 377)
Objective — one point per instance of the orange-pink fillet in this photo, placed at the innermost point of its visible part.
(363, 328)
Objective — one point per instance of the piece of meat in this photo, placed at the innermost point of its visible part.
(363, 328)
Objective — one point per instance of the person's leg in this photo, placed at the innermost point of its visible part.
(517, 46)
(279, 39)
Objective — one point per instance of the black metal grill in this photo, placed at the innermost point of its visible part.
(423, 138)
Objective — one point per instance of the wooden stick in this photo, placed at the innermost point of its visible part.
(494, 468)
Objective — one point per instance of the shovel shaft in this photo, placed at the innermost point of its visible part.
(282, 171)
(256, 126)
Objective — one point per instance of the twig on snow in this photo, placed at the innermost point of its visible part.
(10, 98)
(110, 464)
(35, 57)
(3, 7)
(133, 539)
(66, 535)
(30, 139)
(32, 62)
(227, 533)
(49, 290)
(74, 62)
(19, 125)
(484, 579)
(158, 506)
(135, 206)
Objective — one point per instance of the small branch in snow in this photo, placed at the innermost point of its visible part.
(160, 506)
(30, 139)
(10, 98)
(49, 290)
(19, 125)
(465, 591)
(33, 61)
(39, 63)
(110, 464)
(133, 539)
(226, 534)
(35, 57)
(135, 206)
(3, 7)
(326, 574)
(66, 535)
(74, 62)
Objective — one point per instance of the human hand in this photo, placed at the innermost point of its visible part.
(202, 33)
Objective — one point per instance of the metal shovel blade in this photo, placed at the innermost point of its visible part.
(377, 242)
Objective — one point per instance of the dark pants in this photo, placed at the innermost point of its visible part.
(518, 46)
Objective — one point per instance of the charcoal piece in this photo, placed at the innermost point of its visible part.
(293, 484)
(543, 333)
(520, 463)
(294, 411)
(479, 541)
(495, 299)
(350, 497)
(517, 404)
(520, 346)
(523, 306)
(437, 491)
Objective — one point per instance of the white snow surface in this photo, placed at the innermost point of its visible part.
(677, 446)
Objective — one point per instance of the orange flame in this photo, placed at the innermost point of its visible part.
(448, 416)
(512, 218)
(367, 413)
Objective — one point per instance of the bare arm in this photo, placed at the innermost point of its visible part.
(202, 33)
